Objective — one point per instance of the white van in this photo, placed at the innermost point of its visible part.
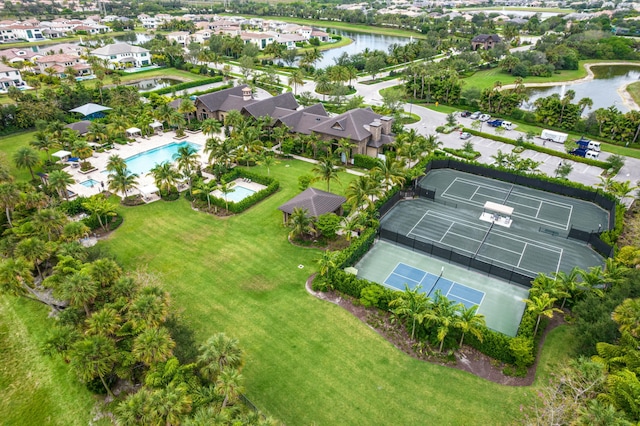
(593, 155)
(594, 146)
(507, 125)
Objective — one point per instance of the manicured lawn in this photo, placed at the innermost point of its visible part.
(358, 28)
(9, 145)
(36, 389)
(556, 353)
(484, 79)
(634, 91)
(308, 361)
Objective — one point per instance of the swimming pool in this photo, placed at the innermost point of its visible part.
(90, 183)
(141, 163)
(239, 193)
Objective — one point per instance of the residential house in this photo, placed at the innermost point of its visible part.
(60, 64)
(274, 107)
(287, 40)
(485, 41)
(121, 54)
(180, 37)
(9, 77)
(320, 35)
(26, 32)
(148, 22)
(16, 55)
(201, 36)
(68, 48)
(301, 121)
(261, 40)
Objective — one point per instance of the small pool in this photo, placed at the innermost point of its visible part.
(239, 193)
(90, 183)
(141, 163)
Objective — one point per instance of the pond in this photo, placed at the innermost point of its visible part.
(133, 38)
(154, 84)
(603, 89)
(361, 41)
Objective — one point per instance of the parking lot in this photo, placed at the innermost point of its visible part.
(583, 173)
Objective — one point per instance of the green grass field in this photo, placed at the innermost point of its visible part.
(308, 361)
(485, 79)
(35, 389)
(9, 145)
(634, 91)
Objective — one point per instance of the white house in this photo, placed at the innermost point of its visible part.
(25, 32)
(148, 22)
(59, 64)
(181, 37)
(16, 55)
(9, 77)
(261, 40)
(121, 54)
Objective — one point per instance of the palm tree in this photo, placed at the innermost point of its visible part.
(567, 282)
(470, 321)
(42, 142)
(217, 354)
(211, 126)
(301, 223)
(627, 316)
(101, 207)
(187, 107)
(326, 170)
(226, 189)
(153, 345)
(202, 187)
(187, 159)
(163, 113)
(59, 180)
(411, 304)
(229, 385)
(234, 119)
(149, 309)
(26, 157)
(391, 170)
(445, 315)
(267, 160)
(296, 78)
(361, 191)
(94, 356)
(9, 198)
(33, 250)
(165, 177)
(326, 263)
(80, 290)
(345, 146)
(541, 305)
(122, 180)
(105, 322)
(592, 280)
(49, 222)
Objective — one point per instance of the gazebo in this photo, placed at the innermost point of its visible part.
(156, 127)
(132, 132)
(90, 111)
(147, 191)
(81, 127)
(62, 155)
(315, 201)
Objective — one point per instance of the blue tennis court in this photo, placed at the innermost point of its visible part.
(412, 277)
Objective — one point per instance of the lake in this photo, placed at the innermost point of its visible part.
(361, 41)
(154, 84)
(602, 89)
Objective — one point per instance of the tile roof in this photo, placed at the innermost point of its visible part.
(275, 107)
(118, 48)
(350, 124)
(315, 201)
(302, 120)
(213, 101)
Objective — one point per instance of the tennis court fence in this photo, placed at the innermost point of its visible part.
(512, 275)
(593, 239)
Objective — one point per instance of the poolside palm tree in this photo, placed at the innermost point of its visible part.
(470, 321)
(226, 189)
(411, 304)
(101, 207)
(122, 180)
(163, 113)
(187, 107)
(326, 169)
(267, 160)
(211, 126)
(97, 132)
(165, 177)
(59, 180)
(26, 157)
(115, 163)
(202, 187)
(188, 162)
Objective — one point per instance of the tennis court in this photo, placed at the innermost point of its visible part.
(484, 241)
(413, 277)
(525, 205)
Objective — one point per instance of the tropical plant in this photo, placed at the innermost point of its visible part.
(470, 321)
(217, 354)
(301, 223)
(411, 304)
(26, 158)
(59, 180)
(541, 305)
(327, 170)
(165, 177)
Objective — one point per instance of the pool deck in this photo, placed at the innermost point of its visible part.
(99, 161)
(240, 182)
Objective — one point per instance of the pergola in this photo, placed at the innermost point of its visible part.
(132, 132)
(156, 126)
(62, 155)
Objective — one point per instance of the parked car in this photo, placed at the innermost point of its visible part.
(465, 114)
(507, 125)
(484, 117)
(465, 135)
(475, 115)
(495, 123)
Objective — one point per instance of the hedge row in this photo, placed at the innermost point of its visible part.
(185, 85)
(239, 207)
(532, 146)
(364, 161)
(357, 249)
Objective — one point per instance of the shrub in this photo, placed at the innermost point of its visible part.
(370, 295)
(272, 186)
(328, 225)
(364, 161)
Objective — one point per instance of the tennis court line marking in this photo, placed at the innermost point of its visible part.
(548, 247)
(515, 214)
(466, 300)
